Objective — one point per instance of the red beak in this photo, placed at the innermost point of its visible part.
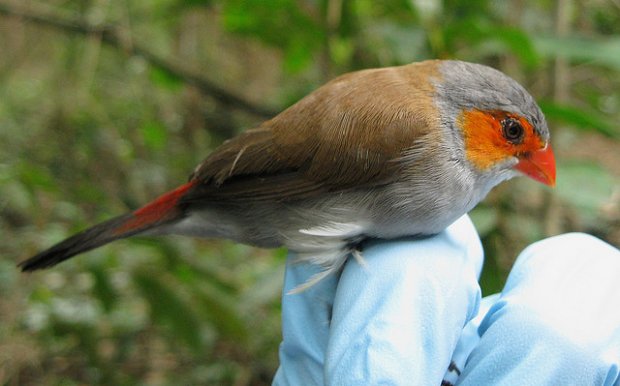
(539, 166)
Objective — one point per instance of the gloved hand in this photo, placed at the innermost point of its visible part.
(557, 321)
(395, 320)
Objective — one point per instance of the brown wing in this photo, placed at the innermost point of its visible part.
(348, 133)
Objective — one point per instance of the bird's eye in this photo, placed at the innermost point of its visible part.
(512, 130)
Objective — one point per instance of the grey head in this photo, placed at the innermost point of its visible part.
(475, 86)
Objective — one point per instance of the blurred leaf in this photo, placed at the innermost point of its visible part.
(169, 309)
(428, 9)
(35, 177)
(267, 287)
(186, 274)
(280, 254)
(200, 3)
(492, 276)
(484, 218)
(585, 185)
(493, 39)
(526, 227)
(154, 134)
(103, 289)
(394, 43)
(219, 308)
(578, 118)
(212, 269)
(296, 56)
(519, 43)
(216, 303)
(8, 275)
(165, 79)
(16, 195)
(283, 24)
(341, 50)
(602, 51)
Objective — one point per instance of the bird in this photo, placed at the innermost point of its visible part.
(377, 153)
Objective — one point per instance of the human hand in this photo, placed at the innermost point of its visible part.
(394, 320)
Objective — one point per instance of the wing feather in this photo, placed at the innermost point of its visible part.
(339, 137)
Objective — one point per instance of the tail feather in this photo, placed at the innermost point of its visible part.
(91, 238)
(161, 211)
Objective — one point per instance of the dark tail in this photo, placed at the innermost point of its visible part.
(162, 210)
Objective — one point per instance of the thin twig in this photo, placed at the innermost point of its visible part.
(116, 37)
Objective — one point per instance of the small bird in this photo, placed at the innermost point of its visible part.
(379, 153)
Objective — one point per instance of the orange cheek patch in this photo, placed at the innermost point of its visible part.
(485, 144)
(482, 134)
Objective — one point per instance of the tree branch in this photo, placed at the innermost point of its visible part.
(116, 37)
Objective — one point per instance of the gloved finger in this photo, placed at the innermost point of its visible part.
(397, 319)
(557, 320)
(305, 325)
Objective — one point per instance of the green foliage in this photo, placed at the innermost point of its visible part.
(586, 187)
(599, 51)
(169, 309)
(155, 135)
(280, 23)
(166, 79)
(578, 118)
(90, 129)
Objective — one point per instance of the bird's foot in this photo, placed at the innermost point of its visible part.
(357, 255)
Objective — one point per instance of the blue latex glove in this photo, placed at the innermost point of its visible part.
(411, 314)
(394, 321)
(556, 322)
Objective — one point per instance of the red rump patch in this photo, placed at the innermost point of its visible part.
(158, 210)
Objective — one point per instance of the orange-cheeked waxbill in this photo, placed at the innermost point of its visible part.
(379, 153)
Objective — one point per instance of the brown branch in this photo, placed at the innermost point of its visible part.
(116, 37)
